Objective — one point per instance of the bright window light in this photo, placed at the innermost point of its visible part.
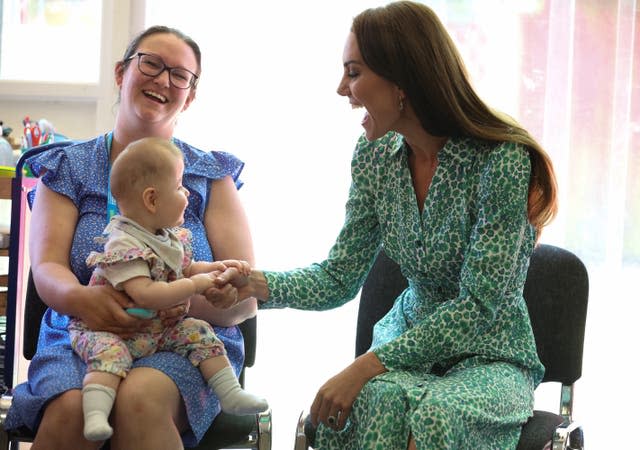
(50, 40)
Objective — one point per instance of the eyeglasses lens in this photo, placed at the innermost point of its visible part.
(153, 66)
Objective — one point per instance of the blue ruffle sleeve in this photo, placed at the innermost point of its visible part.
(57, 172)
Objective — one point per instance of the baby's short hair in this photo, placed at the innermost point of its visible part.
(141, 164)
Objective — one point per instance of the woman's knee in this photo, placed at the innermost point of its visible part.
(148, 401)
(62, 424)
(148, 394)
(435, 422)
(66, 408)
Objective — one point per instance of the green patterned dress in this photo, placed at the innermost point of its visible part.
(458, 346)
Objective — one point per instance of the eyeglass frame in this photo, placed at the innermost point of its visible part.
(192, 83)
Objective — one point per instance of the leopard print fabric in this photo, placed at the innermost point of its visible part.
(461, 357)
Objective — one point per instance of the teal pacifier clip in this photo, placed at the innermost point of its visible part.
(112, 206)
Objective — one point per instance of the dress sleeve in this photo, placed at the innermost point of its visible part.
(124, 258)
(201, 169)
(56, 171)
(488, 284)
(212, 165)
(123, 271)
(337, 279)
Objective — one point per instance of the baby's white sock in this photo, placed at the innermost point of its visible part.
(97, 401)
(233, 399)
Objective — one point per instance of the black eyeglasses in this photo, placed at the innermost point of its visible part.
(152, 66)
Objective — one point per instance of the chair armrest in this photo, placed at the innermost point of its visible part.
(264, 430)
(5, 404)
(301, 437)
(568, 436)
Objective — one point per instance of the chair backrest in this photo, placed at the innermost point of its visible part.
(556, 292)
(380, 289)
(34, 307)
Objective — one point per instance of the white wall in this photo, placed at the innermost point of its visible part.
(74, 119)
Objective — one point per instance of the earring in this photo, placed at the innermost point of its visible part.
(401, 104)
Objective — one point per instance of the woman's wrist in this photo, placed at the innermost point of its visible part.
(257, 286)
(74, 296)
(369, 365)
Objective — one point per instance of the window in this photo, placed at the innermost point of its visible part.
(50, 40)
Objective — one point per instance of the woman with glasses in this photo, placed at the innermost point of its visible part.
(163, 403)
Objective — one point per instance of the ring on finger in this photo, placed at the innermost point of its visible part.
(333, 420)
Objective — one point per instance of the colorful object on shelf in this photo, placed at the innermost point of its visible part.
(6, 135)
(37, 133)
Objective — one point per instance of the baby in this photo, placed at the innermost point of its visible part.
(149, 258)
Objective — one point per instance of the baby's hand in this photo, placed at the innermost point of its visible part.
(242, 266)
(204, 281)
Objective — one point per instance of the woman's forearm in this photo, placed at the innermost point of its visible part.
(53, 224)
(59, 288)
(368, 365)
(227, 317)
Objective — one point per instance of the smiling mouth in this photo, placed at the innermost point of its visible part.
(365, 118)
(155, 96)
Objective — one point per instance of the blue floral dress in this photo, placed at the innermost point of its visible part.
(80, 172)
(458, 345)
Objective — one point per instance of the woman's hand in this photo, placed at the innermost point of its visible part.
(333, 402)
(226, 293)
(253, 284)
(222, 296)
(104, 310)
(243, 267)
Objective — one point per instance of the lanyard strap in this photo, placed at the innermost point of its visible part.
(112, 207)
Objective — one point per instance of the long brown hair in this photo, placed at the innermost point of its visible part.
(405, 43)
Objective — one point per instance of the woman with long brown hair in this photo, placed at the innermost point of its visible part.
(457, 195)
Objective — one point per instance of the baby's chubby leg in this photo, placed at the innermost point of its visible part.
(233, 399)
(196, 340)
(98, 395)
(108, 360)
